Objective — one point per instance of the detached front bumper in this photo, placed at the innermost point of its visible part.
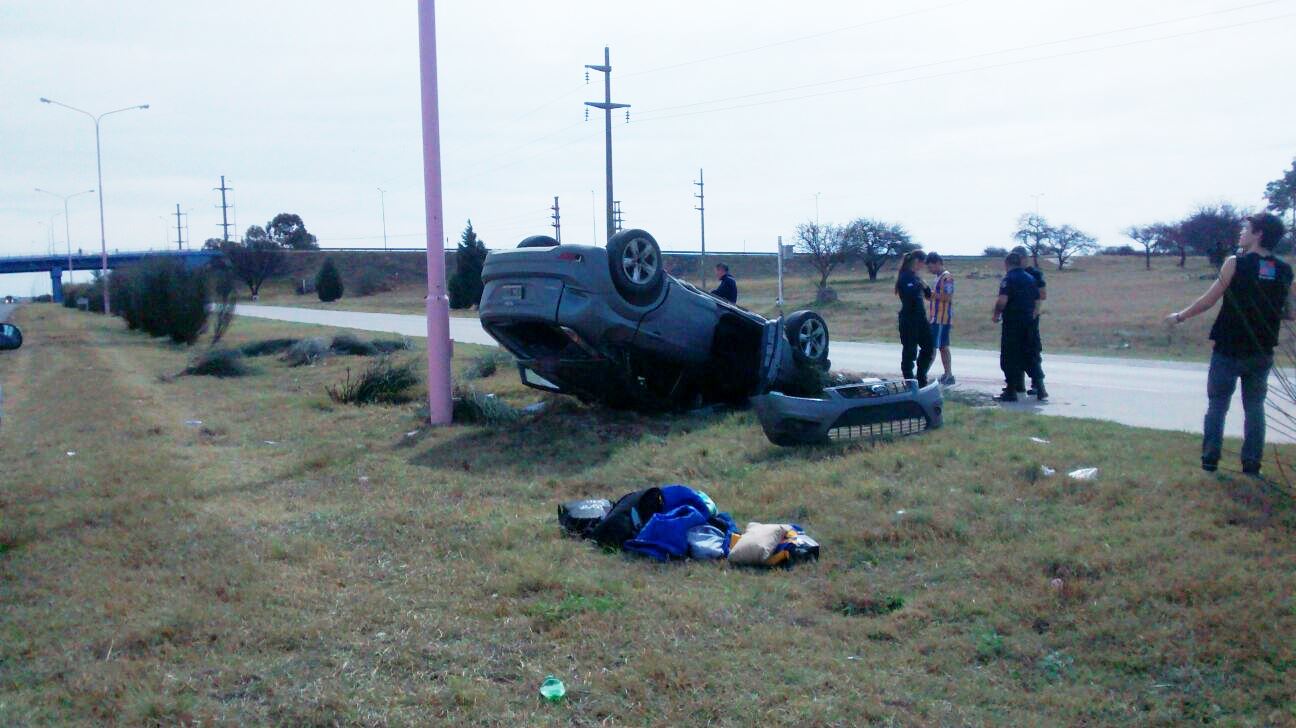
(868, 410)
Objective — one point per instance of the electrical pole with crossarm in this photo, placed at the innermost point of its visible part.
(557, 220)
(607, 107)
(701, 208)
(224, 208)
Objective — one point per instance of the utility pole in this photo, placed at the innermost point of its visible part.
(616, 215)
(382, 200)
(557, 220)
(607, 106)
(701, 208)
(179, 240)
(224, 207)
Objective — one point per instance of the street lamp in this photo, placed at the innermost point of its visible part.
(1037, 197)
(103, 239)
(51, 232)
(67, 227)
(382, 200)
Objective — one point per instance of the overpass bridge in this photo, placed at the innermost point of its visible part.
(56, 264)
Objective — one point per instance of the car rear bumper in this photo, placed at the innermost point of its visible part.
(869, 410)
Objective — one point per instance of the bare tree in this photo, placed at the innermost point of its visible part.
(1035, 234)
(1067, 242)
(255, 259)
(1147, 236)
(826, 245)
(876, 242)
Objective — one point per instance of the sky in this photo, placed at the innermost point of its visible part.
(951, 117)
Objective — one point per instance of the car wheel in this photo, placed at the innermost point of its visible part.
(538, 241)
(808, 334)
(635, 262)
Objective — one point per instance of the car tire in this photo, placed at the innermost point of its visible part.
(807, 332)
(636, 265)
(538, 241)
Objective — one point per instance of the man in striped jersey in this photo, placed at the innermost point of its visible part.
(941, 310)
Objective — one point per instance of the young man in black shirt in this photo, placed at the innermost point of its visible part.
(728, 288)
(1255, 287)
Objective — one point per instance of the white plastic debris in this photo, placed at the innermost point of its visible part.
(71, 453)
(193, 423)
(1040, 441)
(271, 442)
(411, 433)
(1047, 472)
(1083, 474)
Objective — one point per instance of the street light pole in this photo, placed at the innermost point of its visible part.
(67, 227)
(51, 232)
(382, 200)
(440, 404)
(103, 238)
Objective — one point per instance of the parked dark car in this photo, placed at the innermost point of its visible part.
(609, 325)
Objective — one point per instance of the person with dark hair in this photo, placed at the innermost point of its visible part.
(1035, 367)
(915, 331)
(728, 288)
(1016, 307)
(941, 310)
(1256, 289)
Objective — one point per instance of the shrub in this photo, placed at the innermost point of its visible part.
(266, 347)
(328, 283)
(160, 296)
(306, 351)
(465, 286)
(472, 406)
(486, 365)
(382, 382)
(387, 346)
(994, 252)
(43, 298)
(349, 344)
(369, 282)
(218, 363)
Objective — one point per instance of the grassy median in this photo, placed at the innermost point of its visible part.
(201, 550)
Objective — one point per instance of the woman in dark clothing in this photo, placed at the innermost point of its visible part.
(915, 332)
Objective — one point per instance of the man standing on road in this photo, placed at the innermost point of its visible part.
(1016, 307)
(1035, 369)
(941, 312)
(1255, 287)
(728, 288)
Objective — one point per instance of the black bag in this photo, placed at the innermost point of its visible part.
(580, 517)
(629, 515)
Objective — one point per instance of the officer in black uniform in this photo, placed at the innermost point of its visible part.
(1036, 368)
(1256, 288)
(1016, 308)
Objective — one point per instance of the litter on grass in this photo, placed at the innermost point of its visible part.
(1047, 472)
(193, 423)
(1083, 474)
(1040, 441)
(552, 689)
(71, 453)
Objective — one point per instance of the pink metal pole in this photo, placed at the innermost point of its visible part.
(438, 304)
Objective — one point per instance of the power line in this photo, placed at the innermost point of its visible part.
(970, 70)
(959, 59)
(798, 39)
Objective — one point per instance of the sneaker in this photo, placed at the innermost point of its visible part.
(947, 380)
(1210, 466)
(1007, 395)
(1041, 393)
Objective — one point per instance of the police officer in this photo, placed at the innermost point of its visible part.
(1016, 307)
(1036, 368)
(916, 344)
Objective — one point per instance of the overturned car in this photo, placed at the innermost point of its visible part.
(609, 325)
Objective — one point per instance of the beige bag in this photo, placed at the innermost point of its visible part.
(757, 543)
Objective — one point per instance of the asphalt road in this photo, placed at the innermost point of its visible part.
(6, 309)
(1140, 392)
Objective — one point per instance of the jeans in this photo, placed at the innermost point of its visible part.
(1225, 371)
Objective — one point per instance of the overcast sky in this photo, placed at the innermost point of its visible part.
(943, 115)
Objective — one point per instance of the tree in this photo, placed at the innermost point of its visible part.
(827, 247)
(1148, 237)
(1212, 230)
(1035, 234)
(465, 286)
(876, 242)
(289, 231)
(255, 259)
(1281, 194)
(1170, 240)
(1067, 242)
(995, 252)
(328, 284)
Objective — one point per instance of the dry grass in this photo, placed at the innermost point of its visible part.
(283, 564)
(1109, 306)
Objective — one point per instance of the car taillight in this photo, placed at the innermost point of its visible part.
(569, 255)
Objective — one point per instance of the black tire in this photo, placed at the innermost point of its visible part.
(807, 332)
(538, 241)
(636, 265)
